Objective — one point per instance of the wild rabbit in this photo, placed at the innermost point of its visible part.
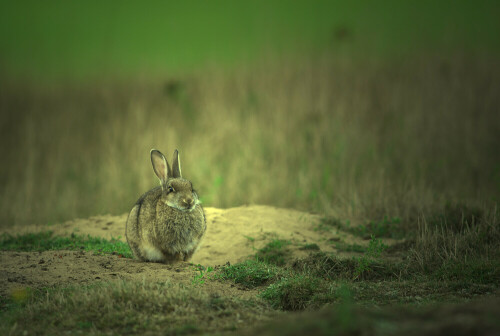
(167, 223)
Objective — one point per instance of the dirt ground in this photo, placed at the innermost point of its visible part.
(232, 236)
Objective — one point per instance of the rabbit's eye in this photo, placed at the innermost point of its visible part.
(170, 189)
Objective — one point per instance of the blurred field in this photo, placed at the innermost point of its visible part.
(348, 109)
(354, 139)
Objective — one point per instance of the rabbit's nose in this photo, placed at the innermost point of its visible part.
(188, 201)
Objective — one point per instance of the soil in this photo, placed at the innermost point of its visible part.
(232, 236)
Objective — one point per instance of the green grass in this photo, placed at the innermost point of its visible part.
(473, 271)
(418, 291)
(384, 228)
(310, 247)
(389, 228)
(310, 289)
(275, 252)
(297, 292)
(126, 307)
(456, 217)
(314, 281)
(477, 317)
(380, 276)
(331, 267)
(250, 273)
(203, 274)
(263, 267)
(354, 247)
(328, 223)
(44, 241)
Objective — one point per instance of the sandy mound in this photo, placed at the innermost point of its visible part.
(232, 235)
(227, 231)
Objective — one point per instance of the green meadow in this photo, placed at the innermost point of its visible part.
(382, 113)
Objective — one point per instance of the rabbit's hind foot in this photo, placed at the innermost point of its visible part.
(151, 253)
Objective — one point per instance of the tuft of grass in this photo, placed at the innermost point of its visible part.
(386, 227)
(297, 292)
(468, 239)
(367, 263)
(331, 267)
(204, 274)
(470, 271)
(457, 217)
(44, 241)
(310, 247)
(275, 252)
(250, 273)
(369, 266)
(343, 246)
(328, 223)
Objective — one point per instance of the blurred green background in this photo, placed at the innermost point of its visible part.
(89, 38)
(357, 109)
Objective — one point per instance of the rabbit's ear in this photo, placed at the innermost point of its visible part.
(176, 165)
(160, 166)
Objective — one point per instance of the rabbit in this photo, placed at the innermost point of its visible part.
(167, 223)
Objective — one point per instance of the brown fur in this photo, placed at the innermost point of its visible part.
(167, 223)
